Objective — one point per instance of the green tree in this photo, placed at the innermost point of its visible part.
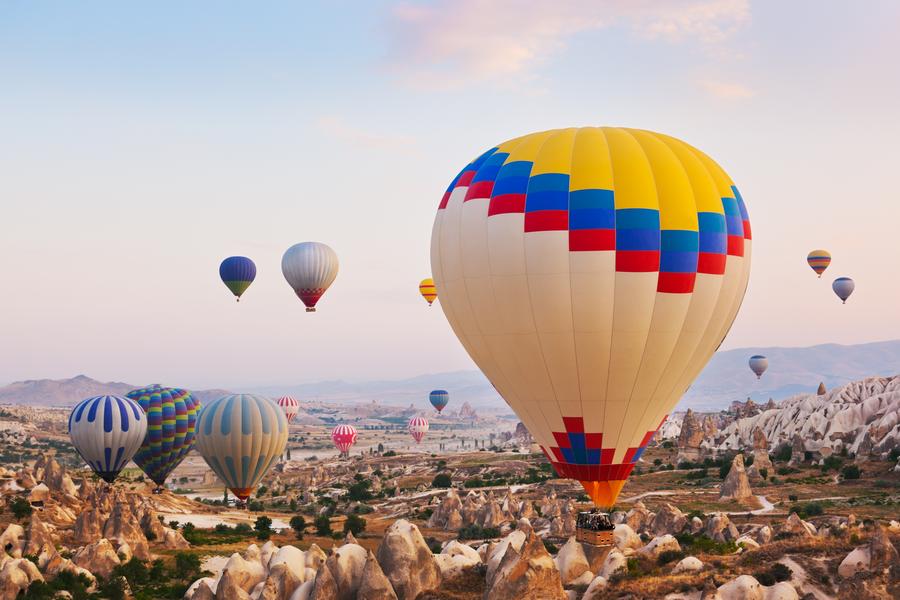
(323, 526)
(20, 508)
(187, 566)
(441, 480)
(263, 527)
(298, 524)
(354, 524)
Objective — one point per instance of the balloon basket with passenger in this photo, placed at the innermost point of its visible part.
(594, 527)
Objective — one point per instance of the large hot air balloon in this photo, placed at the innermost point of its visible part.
(171, 425)
(343, 437)
(819, 260)
(843, 287)
(591, 273)
(240, 436)
(428, 291)
(759, 364)
(418, 427)
(237, 273)
(309, 268)
(290, 406)
(439, 399)
(107, 431)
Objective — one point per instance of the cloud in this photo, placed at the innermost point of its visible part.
(453, 43)
(338, 127)
(726, 90)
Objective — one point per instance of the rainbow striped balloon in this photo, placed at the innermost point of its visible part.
(171, 424)
(819, 260)
(239, 437)
(418, 427)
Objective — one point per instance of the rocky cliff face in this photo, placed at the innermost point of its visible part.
(863, 416)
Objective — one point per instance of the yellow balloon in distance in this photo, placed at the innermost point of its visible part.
(428, 291)
(591, 273)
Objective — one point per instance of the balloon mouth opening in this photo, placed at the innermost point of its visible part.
(242, 494)
(603, 493)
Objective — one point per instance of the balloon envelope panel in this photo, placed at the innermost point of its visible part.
(240, 436)
(591, 273)
(107, 431)
(171, 425)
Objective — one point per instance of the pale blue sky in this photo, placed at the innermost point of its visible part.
(140, 145)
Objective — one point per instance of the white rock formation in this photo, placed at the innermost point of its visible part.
(862, 415)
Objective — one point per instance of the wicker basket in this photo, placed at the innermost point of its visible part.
(594, 538)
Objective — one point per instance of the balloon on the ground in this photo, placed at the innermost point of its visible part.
(439, 399)
(819, 260)
(418, 427)
(107, 431)
(171, 425)
(237, 273)
(843, 287)
(343, 436)
(591, 273)
(309, 268)
(290, 406)
(240, 436)
(428, 291)
(759, 364)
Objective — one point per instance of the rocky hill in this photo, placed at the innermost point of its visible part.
(67, 392)
(862, 416)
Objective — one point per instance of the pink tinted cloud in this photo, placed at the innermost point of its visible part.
(454, 43)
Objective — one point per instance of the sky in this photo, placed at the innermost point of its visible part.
(142, 143)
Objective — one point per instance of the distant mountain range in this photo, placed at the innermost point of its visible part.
(726, 378)
(67, 392)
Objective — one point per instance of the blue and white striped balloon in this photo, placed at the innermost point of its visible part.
(240, 436)
(107, 431)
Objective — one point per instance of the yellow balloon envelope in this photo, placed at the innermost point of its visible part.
(240, 436)
(428, 291)
(591, 273)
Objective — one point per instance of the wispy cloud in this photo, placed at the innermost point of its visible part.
(338, 127)
(726, 90)
(454, 43)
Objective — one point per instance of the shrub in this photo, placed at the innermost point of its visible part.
(474, 532)
(777, 572)
(434, 545)
(243, 528)
(668, 556)
(783, 454)
(441, 480)
(764, 473)
(851, 472)
(551, 547)
(256, 506)
(475, 482)
(792, 497)
(832, 463)
(359, 491)
(174, 524)
(390, 453)
(354, 524)
(323, 526)
(702, 543)
(894, 455)
(20, 508)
